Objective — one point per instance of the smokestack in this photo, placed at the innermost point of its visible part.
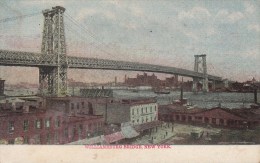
(182, 89)
(2, 87)
(255, 95)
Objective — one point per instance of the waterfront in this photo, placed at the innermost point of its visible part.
(208, 100)
(202, 100)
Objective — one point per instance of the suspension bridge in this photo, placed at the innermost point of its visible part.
(53, 61)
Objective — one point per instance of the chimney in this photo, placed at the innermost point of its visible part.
(26, 109)
(115, 80)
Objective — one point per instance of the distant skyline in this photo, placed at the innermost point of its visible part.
(166, 32)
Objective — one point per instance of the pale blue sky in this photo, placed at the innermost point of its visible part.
(166, 32)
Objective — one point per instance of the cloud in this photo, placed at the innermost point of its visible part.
(254, 27)
(195, 13)
(87, 12)
(210, 31)
(229, 17)
(44, 2)
(136, 11)
(249, 8)
(190, 34)
(235, 16)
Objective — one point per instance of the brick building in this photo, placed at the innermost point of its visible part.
(146, 80)
(136, 111)
(47, 121)
(230, 118)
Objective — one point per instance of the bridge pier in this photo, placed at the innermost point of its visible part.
(195, 85)
(205, 85)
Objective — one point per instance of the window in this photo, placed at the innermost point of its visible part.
(74, 130)
(142, 110)
(155, 108)
(11, 126)
(38, 124)
(38, 139)
(150, 109)
(57, 122)
(47, 123)
(40, 104)
(133, 111)
(25, 125)
(66, 133)
(48, 138)
(89, 126)
(77, 105)
(26, 140)
(214, 120)
(80, 129)
(11, 141)
(72, 105)
(146, 109)
(56, 137)
(137, 110)
(83, 104)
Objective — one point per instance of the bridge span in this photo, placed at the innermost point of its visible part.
(53, 61)
(28, 59)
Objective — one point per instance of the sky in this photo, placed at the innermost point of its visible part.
(165, 32)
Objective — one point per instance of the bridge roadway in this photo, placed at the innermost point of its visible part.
(28, 59)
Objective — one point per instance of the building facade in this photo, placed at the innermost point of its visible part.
(143, 112)
(32, 122)
(128, 110)
(151, 80)
(219, 117)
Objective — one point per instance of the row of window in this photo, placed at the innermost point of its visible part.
(77, 105)
(143, 110)
(140, 121)
(37, 123)
(38, 139)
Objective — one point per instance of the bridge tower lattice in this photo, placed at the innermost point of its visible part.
(53, 79)
(200, 65)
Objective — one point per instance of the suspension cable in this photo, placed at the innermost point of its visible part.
(19, 17)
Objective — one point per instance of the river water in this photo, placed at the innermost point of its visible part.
(208, 100)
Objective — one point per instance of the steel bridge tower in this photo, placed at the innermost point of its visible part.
(53, 79)
(200, 65)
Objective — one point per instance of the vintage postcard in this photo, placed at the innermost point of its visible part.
(137, 77)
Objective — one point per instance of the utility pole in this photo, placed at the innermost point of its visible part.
(181, 98)
(106, 111)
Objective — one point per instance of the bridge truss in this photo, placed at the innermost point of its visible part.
(53, 61)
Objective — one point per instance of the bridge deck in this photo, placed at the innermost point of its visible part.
(28, 59)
